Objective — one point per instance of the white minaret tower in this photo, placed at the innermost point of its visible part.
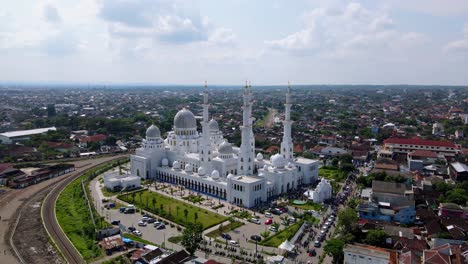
(247, 148)
(287, 144)
(205, 153)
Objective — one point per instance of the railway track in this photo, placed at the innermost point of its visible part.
(65, 246)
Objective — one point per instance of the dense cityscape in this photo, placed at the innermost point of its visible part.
(391, 159)
(234, 131)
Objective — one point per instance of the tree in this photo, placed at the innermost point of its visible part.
(51, 110)
(153, 200)
(133, 196)
(195, 216)
(185, 214)
(376, 238)
(177, 210)
(265, 234)
(334, 248)
(191, 237)
(347, 219)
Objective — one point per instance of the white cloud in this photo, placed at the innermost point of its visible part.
(458, 45)
(223, 36)
(331, 30)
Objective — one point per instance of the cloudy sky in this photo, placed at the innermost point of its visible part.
(229, 41)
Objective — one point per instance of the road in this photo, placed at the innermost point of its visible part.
(50, 221)
(12, 200)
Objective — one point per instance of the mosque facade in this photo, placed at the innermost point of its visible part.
(207, 163)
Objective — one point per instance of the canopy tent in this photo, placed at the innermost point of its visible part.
(286, 245)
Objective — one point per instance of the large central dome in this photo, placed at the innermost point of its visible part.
(184, 119)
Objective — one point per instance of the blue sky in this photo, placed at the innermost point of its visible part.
(229, 41)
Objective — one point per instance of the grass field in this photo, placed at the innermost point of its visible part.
(281, 236)
(332, 173)
(74, 216)
(172, 209)
(308, 206)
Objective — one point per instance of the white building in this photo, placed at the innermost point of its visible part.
(322, 192)
(365, 254)
(206, 163)
(22, 135)
(115, 181)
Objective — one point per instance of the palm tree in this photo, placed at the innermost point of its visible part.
(185, 214)
(177, 210)
(154, 202)
(161, 207)
(195, 216)
(133, 196)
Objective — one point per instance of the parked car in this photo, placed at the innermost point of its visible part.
(105, 200)
(226, 236)
(233, 242)
(137, 233)
(145, 218)
(317, 244)
(122, 209)
(131, 228)
(142, 223)
(273, 229)
(268, 214)
(256, 238)
(269, 221)
(255, 220)
(291, 219)
(277, 211)
(115, 222)
(151, 220)
(156, 223)
(312, 253)
(161, 226)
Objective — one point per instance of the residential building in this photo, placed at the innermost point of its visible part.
(458, 171)
(453, 210)
(389, 201)
(406, 145)
(365, 254)
(444, 254)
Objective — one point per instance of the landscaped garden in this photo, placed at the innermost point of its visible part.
(332, 173)
(309, 205)
(174, 210)
(278, 238)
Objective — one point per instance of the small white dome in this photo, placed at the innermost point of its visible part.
(213, 125)
(153, 132)
(290, 165)
(188, 167)
(259, 156)
(165, 162)
(265, 167)
(278, 161)
(261, 174)
(215, 174)
(176, 165)
(201, 171)
(185, 119)
(230, 176)
(225, 148)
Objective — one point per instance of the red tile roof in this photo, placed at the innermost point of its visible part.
(423, 153)
(417, 141)
(95, 138)
(5, 166)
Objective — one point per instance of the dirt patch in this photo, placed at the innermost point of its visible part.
(30, 237)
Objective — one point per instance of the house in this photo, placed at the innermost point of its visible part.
(453, 210)
(417, 159)
(112, 243)
(365, 254)
(7, 173)
(450, 254)
(83, 141)
(39, 175)
(409, 257)
(458, 171)
(390, 202)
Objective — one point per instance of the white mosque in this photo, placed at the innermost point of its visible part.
(206, 163)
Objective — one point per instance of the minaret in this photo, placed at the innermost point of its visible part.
(247, 148)
(287, 144)
(205, 153)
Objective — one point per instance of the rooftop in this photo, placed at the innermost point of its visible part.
(388, 187)
(21, 133)
(420, 142)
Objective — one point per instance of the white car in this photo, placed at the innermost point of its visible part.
(255, 220)
(272, 228)
(233, 242)
(137, 233)
(269, 215)
(141, 223)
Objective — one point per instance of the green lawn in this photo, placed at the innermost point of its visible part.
(332, 173)
(308, 206)
(281, 236)
(226, 228)
(74, 216)
(172, 209)
(175, 239)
